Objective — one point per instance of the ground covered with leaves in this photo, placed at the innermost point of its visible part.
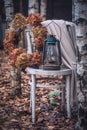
(15, 111)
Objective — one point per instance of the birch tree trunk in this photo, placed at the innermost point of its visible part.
(80, 17)
(15, 81)
(43, 8)
(9, 11)
(33, 7)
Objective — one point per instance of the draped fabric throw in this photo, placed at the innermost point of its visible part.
(65, 32)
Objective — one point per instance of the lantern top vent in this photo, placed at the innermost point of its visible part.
(51, 39)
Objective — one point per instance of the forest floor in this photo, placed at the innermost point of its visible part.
(16, 112)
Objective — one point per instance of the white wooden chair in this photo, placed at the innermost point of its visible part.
(67, 72)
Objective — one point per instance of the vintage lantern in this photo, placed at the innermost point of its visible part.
(51, 54)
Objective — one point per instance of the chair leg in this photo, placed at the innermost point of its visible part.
(63, 95)
(30, 100)
(30, 95)
(68, 96)
(33, 97)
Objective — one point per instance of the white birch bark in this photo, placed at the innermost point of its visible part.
(43, 8)
(15, 81)
(80, 17)
(32, 6)
(81, 32)
(8, 10)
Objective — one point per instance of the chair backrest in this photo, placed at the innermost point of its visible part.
(28, 38)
